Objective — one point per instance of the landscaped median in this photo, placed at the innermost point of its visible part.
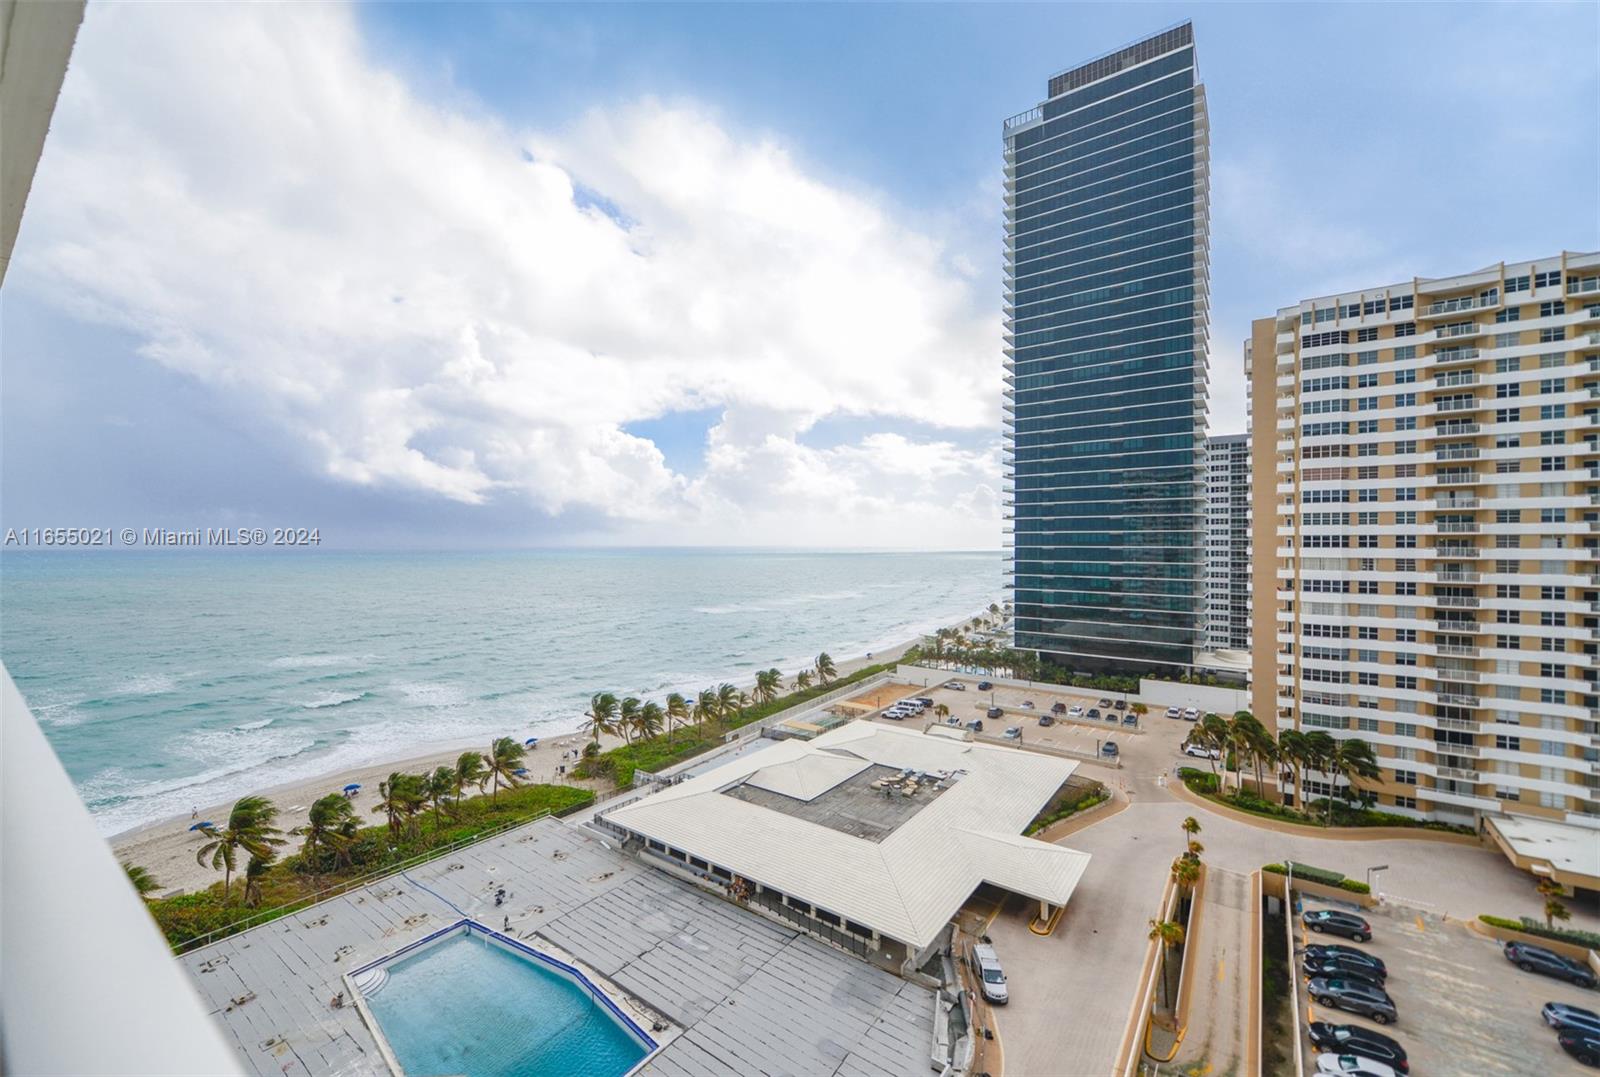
(1578, 945)
(1318, 881)
(1346, 821)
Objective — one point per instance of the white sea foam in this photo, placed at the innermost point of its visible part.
(262, 724)
(146, 684)
(332, 700)
(313, 661)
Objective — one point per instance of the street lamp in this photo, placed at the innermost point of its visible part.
(1375, 868)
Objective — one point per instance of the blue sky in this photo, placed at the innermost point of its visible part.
(510, 275)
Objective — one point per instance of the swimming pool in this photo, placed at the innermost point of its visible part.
(469, 1001)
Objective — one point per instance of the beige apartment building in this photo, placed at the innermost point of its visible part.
(1426, 461)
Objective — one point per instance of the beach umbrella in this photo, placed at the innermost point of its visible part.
(520, 771)
(200, 826)
(352, 787)
(531, 742)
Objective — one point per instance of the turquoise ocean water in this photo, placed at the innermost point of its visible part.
(166, 680)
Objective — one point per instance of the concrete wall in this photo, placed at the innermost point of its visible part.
(1164, 694)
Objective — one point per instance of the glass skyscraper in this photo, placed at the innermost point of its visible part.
(1106, 270)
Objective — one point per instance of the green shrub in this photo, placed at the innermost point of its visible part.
(1530, 926)
(1321, 875)
(1083, 800)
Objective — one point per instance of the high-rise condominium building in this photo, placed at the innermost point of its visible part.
(1227, 561)
(1431, 486)
(1106, 210)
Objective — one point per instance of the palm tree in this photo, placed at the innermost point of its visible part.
(1256, 742)
(249, 828)
(1191, 827)
(441, 783)
(727, 701)
(1186, 872)
(825, 670)
(1170, 935)
(802, 680)
(331, 825)
(1554, 909)
(505, 756)
(1319, 749)
(254, 872)
(745, 702)
(1292, 754)
(651, 719)
(143, 882)
(601, 717)
(1353, 760)
(628, 717)
(941, 711)
(767, 682)
(677, 712)
(1212, 731)
(705, 706)
(392, 802)
(469, 771)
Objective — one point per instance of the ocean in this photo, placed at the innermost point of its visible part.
(169, 679)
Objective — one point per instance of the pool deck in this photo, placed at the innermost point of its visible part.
(751, 996)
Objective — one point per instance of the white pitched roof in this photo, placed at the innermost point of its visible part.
(807, 777)
(908, 885)
(1565, 846)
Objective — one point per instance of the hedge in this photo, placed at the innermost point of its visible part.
(1321, 875)
(663, 750)
(1206, 784)
(1083, 801)
(1531, 926)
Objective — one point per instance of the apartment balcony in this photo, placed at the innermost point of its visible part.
(1451, 356)
(1459, 377)
(1441, 575)
(1457, 602)
(1456, 452)
(1459, 503)
(1460, 405)
(1455, 673)
(1457, 773)
(1456, 478)
(1461, 302)
(1470, 329)
(1457, 699)
(1458, 725)
(1456, 650)
(1468, 553)
(1458, 527)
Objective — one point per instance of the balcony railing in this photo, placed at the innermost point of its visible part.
(1455, 355)
(1463, 302)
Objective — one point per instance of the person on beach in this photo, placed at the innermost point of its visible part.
(194, 812)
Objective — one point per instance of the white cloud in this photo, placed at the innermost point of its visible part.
(426, 299)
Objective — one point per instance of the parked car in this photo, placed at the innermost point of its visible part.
(1200, 752)
(1110, 750)
(924, 701)
(1013, 733)
(985, 686)
(1121, 704)
(1584, 1046)
(1094, 712)
(1111, 716)
(1530, 958)
(1356, 1040)
(955, 686)
(1105, 703)
(1343, 968)
(1075, 712)
(1058, 707)
(986, 963)
(976, 725)
(1192, 714)
(1351, 953)
(1353, 1065)
(1334, 922)
(1356, 996)
(1174, 712)
(1046, 720)
(995, 712)
(894, 715)
(1027, 704)
(1561, 1017)
(1130, 719)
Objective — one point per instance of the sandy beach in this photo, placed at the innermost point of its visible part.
(167, 848)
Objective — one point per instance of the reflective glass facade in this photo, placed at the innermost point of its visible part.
(1106, 306)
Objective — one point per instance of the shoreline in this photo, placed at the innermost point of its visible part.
(166, 847)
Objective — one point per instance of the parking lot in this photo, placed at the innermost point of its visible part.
(1463, 1008)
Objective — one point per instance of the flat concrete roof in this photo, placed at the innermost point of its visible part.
(831, 850)
(751, 996)
(1572, 849)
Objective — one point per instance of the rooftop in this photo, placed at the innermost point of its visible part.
(732, 981)
(900, 862)
(1573, 850)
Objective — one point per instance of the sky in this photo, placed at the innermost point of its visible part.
(468, 275)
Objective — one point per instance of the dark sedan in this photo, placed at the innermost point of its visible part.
(1355, 996)
(1355, 1040)
(1332, 949)
(1339, 967)
(1530, 958)
(1584, 1046)
(1337, 923)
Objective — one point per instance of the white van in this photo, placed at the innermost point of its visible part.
(986, 964)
